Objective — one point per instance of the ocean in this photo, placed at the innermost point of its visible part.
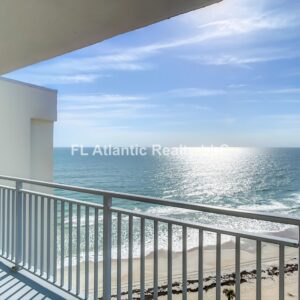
(265, 180)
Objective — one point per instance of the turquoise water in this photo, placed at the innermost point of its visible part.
(265, 180)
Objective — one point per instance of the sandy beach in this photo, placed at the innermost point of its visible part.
(269, 290)
(270, 285)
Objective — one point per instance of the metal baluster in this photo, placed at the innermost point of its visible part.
(4, 222)
(36, 226)
(119, 256)
(281, 272)
(237, 267)
(55, 241)
(1, 220)
(42, 235)
(170, 262)
(130, 249)
(184, 263)
(19, 203)
(87, 249)
(218, 271)
(96, 253)
(107, 233)
(78, 251)
(30, 220)
(48, 239)
(8, 224)
(258, 270)
(200, 266)
(155, 267)
(13, 237)
(142, 266)
(70, 247)
(24, 228)
(62, 243)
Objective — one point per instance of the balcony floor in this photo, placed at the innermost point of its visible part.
(23, 285)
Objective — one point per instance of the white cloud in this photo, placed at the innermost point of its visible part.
(99, 98)
(286, 119)
(251, 24)
(193, 92)
(44, 79)
(255, 56)
(66, 70)
(201, 107)
(95, 110)
(98, 63)
(281, 91)
(244, 16)
(237, 86)
(187, 105)
(99, 118)
(228, 120)
(222, 29)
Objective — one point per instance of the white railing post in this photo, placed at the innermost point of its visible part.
(107, 202)
(19, 224)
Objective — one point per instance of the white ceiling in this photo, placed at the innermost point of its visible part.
(35, 30)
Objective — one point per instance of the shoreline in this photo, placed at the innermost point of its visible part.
(270, 254)
(227, 280)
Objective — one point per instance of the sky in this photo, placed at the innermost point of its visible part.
(225, 74)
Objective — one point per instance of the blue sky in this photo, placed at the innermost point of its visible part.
(228, 73)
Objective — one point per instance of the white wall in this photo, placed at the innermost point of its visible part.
(27, 115)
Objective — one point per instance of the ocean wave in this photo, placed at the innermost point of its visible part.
(296, 197)
(274, 205)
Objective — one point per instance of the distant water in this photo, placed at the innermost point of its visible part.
(265, 180)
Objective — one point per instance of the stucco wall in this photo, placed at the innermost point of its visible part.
(27, 115)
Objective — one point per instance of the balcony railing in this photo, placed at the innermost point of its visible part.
(68, 242)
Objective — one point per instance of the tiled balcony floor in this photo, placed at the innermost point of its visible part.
(23, 285)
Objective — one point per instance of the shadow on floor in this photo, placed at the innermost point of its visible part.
(15, 285)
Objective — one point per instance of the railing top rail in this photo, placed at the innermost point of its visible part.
(64, 199)
(172, 203)
(7, 187)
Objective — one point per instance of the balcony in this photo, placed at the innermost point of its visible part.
(59, 247)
